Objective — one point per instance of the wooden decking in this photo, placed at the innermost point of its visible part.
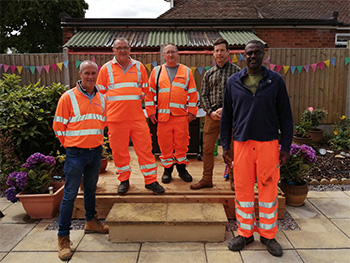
(177, 191)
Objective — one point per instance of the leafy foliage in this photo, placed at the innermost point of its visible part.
(302, 129)
(341, 131)
(35, 26)
(314, 116)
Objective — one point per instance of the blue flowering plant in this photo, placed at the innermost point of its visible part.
(302, 158)
(34, 177)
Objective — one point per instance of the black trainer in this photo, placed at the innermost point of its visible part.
(123, 187)
(183, 173)
(273, 246)
(239, 242)
(166, 177)
(155, 187)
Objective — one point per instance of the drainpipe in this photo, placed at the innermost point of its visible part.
(66, 70)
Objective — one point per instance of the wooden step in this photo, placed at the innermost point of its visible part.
(167, 222)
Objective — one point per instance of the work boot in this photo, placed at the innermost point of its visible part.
(183, 173)
(202, 184)
(64, 250)
(239, 242)
(273, 246)
(155, 187)
(123, 187)
(96, 226)
(166, 177)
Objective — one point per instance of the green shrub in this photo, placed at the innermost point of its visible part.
(341, 131)
(28, 111)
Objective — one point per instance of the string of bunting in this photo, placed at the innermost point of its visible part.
(236, 58)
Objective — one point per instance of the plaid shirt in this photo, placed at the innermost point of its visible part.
(213, 86)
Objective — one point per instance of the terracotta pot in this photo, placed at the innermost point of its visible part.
(40, 206)
(316, 135)
(302, 140)
(295, 194)
(104, 162)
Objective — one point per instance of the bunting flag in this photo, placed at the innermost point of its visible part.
(279, 67)
(93, 59)
(234, 59)
(65, 63)
(229, 59)
(27, 68)
(39, 69)
(154, 64)
(300, 68)
(327, 62)
(59, 65)
(148, 66)
(47, 68)
(272, 66)
(267, 60)
(6, 67)
(347, 60)
(193, 70)
(200, 69)
(313, 66)
(13, 69)
(241, 57)
(333, 61)
(19, 68)
(77, 63)
(32, 69)
(285, 69)
(320, 65)
(306, 67)
(54, 66)
(1, 66)
(292, 69)
(207, 68)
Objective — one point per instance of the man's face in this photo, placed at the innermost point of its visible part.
(254, 54)
(121, 50)
(170, 55)
(88, 76)
(220, 54)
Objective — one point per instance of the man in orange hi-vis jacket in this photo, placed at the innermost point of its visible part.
(79, 122)
(174, 89)
(124, 82)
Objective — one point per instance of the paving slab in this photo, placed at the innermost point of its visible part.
(105, 257)
(325, 256)
(2, 255)
(15, 213)
(46, 240)
(343, 224)
(219, 245)
(317, 233)
(265, 257)
(12, 234)
(223, 256)
(347, 193)
(31, 257)
(333, 207)
(307, 211)
(4, 205)
(99, 242)
(326, 194)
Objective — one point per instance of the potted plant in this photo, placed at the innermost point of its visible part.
(315, 116)
(106, 154)
(292, 181)
(341, 131)
(34, 186)
(301, 133)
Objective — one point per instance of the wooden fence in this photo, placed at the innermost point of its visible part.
(328, 88)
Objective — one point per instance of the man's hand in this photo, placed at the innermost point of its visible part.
(191, 117)
(216, 115)
(228, 157)
(153, 118)
(284, 157)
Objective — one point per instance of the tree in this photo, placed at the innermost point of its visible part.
(34, 26)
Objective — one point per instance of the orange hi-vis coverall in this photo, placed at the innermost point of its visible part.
(175, 101)
(260, 160)
(78, 122)
(124, 91)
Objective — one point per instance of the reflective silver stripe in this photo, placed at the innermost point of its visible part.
(124, 97)
(180, 85)
(110, 72)
(167, 161)
(267, 226)
(192, 104)
(156, 72)
(149, 173)
(181, 159)
(245, 204)
(138, 67)
(87, 117)
(123, 85)
(60, 119)
(74, 101)
(164, 111)
(268, 205)
(145, 85)
(244, 215)
(191, 90)
(152, 90)
(148, 166)
(103, 103)
(84, 132)
(245, 226)
(164, 90)
(268, 216)
(124, 168)
(101, 87)
(187, 77)
(149, 103)
(177, 105)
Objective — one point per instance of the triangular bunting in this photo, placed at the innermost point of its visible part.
(6, 67)
(213, 62)
(93, 59)
(229, 59)
(200, 69)
(267, 60)
(154, 64)
(39, 69)
(285, 69)
(234, 59)
(32, 69)
(327, 62)
(59, 65)
(279, 67)
(148, 66)
(313, 66)
(241, 57)
(65, 63)
(47, 68)
(293, 68)
(19, 68)
(272, 66)
(333, 61)
(77, 63)
(193, 69)
(1, 66)
(306, 67)
(54, 66)
(27, 68)
(346, 61)
(207, 68)
(320, 65)
(13, 69)
(300, 68)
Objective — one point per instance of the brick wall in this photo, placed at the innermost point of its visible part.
(297, 38)
(67, 33)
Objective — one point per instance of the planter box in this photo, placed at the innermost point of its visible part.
(40, 206)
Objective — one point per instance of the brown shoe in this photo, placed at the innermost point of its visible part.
(201, 184)
(96, 226)
(64, 250)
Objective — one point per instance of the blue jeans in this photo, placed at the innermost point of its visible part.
(79, 162)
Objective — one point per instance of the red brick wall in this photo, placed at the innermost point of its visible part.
(67, 33)
(297, 38)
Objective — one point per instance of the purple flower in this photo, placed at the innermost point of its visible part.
(17, 179)
(11, 194)
(294, 149)
(49, 160)
(308, 153)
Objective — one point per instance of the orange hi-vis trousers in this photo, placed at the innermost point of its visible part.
(260, 161)
(173, 135)
(138, 131)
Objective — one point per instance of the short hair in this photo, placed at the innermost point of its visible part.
(87, 62)
(121, 39)
(220, 41)
(256, 42)
(170, 44)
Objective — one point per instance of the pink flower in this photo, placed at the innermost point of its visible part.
(311, 109)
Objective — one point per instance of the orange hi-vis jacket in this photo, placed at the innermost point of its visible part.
(177, 98)
(80, 121)
(124, 89)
